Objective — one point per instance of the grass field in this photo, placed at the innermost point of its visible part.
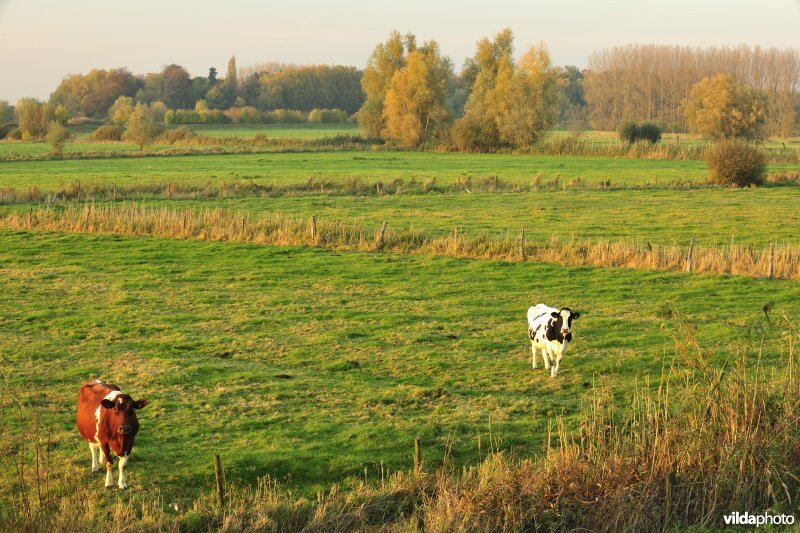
(298, 167)
(311, 365)
(378, 348)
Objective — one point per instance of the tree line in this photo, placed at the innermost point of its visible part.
(652, 83)
(411, 94)
(299, 88)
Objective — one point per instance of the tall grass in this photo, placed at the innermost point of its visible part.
(354, 186)
(706, 440)
(277, 229)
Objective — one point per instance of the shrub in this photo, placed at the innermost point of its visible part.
(649, 132)
(14, 134)
(327, 116)
(173, 135)
(4, 129)
(628, 131)
(57, 136)
(733, 162)
(108, 132)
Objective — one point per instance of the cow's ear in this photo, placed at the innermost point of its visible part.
(139, 404)
(575, 316)
(108, 404)
(555, 314)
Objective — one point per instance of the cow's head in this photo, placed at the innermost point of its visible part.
(562, 320)
(122, 413)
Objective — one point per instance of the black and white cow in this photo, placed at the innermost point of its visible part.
(550, 333)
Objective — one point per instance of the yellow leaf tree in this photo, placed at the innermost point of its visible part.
(384, 61)
(721, 109)
(414, 105)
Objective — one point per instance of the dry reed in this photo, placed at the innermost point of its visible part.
(279, 230)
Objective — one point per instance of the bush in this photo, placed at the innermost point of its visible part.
(649, 132)
(173, 135)
(107, 133)
(733, 162)
(14, 134)
(57, 136)
(628, 132)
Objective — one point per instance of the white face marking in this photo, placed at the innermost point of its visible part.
(565, 320)
(113, 395)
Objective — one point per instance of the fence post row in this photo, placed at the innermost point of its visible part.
(522, 244)
(314, 228)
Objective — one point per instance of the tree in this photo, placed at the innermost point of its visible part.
(93, 93)
(385, 60)
(722, 109)
(171, 86)
(532, 102)
(57, 136)
(34, 118)
(493, 60)
(120, 110)
(212, 77)
(510, 105)
(414, 105)
(141, 129)
(7, 113)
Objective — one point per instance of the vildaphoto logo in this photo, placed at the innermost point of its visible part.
(758, 520)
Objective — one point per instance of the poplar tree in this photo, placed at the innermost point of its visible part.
(414, 106)
(385, 60)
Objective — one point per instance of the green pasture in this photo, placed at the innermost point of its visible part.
(298, 167)
(748, 216)
(311, 366)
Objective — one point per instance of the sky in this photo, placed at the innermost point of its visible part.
(42, 41)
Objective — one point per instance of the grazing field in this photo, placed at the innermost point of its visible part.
(317, 366)
(267, 168)
(310, 365)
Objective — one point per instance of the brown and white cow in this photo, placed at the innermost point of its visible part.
(107, 420)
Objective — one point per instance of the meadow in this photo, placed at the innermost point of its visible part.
(317, 365)
(311, 365)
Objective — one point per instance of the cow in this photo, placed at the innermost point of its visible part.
(549, 332)
(107, 421)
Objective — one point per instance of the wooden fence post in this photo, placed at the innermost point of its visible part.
(417, 455)
(314, 228)
(771, 259)
(220, 478)
(379, 244)
(689, 256)
(522, 244)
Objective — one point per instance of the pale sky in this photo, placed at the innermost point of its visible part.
(41, 41)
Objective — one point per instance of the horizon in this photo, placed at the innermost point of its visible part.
(44, 33)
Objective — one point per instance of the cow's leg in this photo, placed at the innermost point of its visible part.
(557, 364)
(553, 363)
(533, 350)
(109, 464)
(546, 358)
(123, 462)
(95, 451)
